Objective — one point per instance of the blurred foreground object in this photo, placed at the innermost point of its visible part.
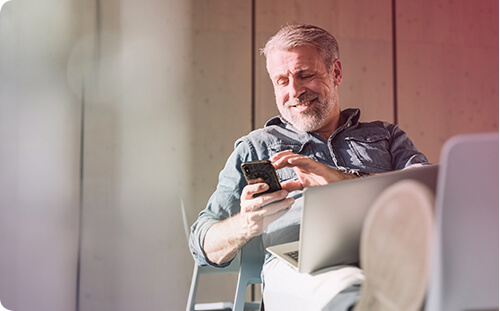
(2, 2)
(465, 265)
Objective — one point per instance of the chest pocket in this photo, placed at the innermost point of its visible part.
(287, 173)
(371, 151)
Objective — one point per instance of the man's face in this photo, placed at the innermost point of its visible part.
(306, 93)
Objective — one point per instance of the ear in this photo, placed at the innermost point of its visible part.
(337, 72)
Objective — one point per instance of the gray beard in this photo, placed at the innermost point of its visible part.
(309, 121)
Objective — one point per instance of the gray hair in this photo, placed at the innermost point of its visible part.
(294, 36)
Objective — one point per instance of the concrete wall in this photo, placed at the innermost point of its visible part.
(111, 111)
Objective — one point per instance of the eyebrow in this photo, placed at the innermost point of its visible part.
(300, 70)
(297, 71)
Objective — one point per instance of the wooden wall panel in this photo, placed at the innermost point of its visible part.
(220, 108)
(365, 39)
(447, 70)
(221, 94)
(363, 30)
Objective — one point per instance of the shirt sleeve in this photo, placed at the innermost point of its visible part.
(403, 151)
(224, 202)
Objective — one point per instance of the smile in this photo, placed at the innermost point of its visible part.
(300, 104)
(303, 104)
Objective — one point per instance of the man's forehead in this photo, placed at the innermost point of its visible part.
(294, 60)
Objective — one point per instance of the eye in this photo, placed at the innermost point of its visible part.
(306, 76)
(282, 81)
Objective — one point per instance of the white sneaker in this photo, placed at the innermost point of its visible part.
(395, 248)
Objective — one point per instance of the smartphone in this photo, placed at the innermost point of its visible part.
(261, 171)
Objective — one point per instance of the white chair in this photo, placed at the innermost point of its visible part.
(252, 259)
(197, 271)
(465, 272)
(248, 264)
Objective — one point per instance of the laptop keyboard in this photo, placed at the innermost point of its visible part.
(294, 255)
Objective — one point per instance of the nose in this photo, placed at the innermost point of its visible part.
(295, 88)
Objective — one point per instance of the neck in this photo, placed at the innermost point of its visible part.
(330, 128)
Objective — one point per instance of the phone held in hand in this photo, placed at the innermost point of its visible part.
(261, 171)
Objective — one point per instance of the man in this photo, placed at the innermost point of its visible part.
(312, 143)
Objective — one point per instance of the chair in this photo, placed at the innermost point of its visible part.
(248, 264)
(464, 274)
(252, 259)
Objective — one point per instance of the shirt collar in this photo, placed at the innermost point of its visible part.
(350, 115)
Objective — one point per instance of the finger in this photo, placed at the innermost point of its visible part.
(250, 190)
(306, 164)
(277, 207)
(255, 204)
(292, 185)
(286, 159)
(300, 160)
(280, 154)
(272, 197)
(277, 159)
(269, 218)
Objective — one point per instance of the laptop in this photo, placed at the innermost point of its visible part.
(333, 215)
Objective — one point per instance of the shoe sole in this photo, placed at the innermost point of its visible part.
(395, 248)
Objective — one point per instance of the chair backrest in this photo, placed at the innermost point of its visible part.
(252, 259)
(191, 305)
(248, 264)
(464, 274)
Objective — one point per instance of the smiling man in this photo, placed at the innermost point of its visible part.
(311, 143)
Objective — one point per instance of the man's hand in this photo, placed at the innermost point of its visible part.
(257, 212)
(310, 172)
(224, 239)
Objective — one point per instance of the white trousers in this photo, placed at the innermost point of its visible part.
(286, 289)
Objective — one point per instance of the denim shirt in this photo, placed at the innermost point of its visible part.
(372, 147)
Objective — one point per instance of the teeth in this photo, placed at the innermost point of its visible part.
(303, 104)
(296, 103)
